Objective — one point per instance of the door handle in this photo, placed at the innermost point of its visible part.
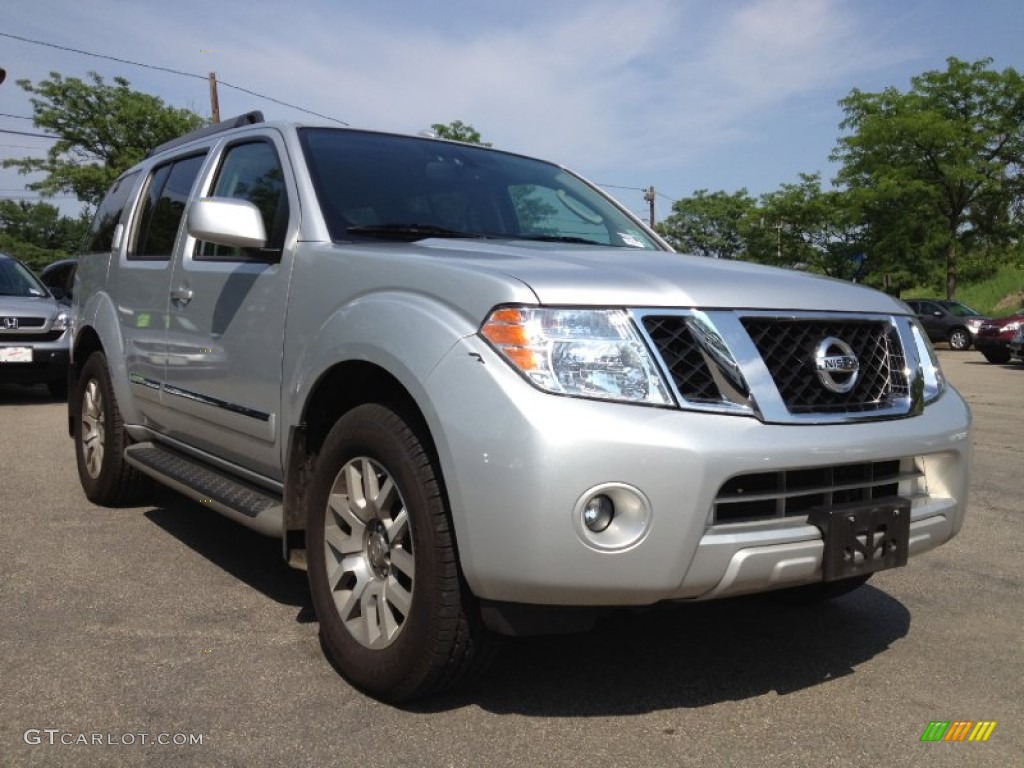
(181, 296)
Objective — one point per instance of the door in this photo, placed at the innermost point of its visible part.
(143, 277)
(225, 332)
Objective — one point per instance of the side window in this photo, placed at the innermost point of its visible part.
(163, 206)
(101, 232)
(251, 171)
(545, 212)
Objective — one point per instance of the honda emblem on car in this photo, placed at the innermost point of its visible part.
(10, 323)
(836, 364)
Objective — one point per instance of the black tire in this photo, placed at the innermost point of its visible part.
(959, 339)
(398, 621)
(100, 440)
(809, 594)
(997, 356)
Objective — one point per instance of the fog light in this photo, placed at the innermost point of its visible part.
(598, 513)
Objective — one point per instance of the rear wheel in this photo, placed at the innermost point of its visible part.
(100, 440)
(959, 339)
(396, 618)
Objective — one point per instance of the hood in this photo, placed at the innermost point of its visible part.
(28, 306)
(579, 275)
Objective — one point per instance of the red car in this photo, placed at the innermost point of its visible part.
(993, 337)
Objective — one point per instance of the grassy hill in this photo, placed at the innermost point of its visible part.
(998, 295)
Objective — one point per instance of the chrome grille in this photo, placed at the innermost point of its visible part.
(787, 347)
(682, 357)
(792, 493)
(25, 322)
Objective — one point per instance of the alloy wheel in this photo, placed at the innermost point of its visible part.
(93, 431)
(368, 552)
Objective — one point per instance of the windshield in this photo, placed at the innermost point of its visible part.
(17, 280)
(380, 186)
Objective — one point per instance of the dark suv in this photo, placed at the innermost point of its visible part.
(951, 321)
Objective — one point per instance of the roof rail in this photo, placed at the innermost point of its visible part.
(249, 118)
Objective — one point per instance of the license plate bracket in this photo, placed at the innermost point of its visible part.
(863, 537)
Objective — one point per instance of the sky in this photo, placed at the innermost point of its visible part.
(681, 95)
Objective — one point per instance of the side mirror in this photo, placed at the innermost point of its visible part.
(225, 221)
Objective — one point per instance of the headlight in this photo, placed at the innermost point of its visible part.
(931, 375)
(582, 352)
(1014, 326)
(61, 322)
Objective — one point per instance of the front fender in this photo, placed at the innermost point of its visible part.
(100, 315)
(403, 333)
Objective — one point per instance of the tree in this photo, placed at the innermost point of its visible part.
(103, 129)
(37, 234)
(815, 229)
(714, 224)
(938, 168)
(459, 131)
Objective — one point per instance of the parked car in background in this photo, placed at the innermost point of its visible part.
(994, 336)
(950, 321)
(59, 278)
(33, 330)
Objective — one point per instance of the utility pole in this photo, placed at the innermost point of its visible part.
(214, 101)
(649, 197)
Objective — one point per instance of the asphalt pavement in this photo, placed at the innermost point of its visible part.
(165, 635)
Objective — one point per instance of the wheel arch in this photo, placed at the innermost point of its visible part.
(338, 389)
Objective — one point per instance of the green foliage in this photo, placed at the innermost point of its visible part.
(459, 131)
(818, 230)
(714, 224)
(937, 169)
(37, 234)
(103, 129)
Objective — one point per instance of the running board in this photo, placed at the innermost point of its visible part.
(243, 502)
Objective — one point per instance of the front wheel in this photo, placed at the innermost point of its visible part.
(396, 618)
(959, 339)
(997, 356)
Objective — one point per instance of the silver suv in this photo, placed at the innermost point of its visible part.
(34, 336)
(472, 395)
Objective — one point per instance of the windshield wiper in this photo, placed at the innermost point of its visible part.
(557, 239)
(408, 231)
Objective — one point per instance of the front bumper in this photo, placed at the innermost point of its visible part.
(518, 463)
(48, 364)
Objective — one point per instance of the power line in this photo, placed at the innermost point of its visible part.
(26, 133)
(19, 117)
(170, 71)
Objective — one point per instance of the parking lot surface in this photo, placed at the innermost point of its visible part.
(165, 635)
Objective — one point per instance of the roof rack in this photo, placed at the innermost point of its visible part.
(249, 118)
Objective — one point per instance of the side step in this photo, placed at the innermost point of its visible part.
(243, 502)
